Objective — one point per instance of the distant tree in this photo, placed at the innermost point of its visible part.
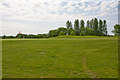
(62, 29)
(100, 25)
(69, 28)
(92, 32)
(82, 27)
(72, 33)
(82, 33)
(10, 37)
(69, 25)
(91, 23)
(53, 33)
(105, 27)
(76, 27)
(82, 24)
(39, 35)
(61, 33)
(88, 31)
(88, 24)
(30, 36)
(45, 35)
(20, 35)
(96, 26)
(116, 30)
(69, 31)
(3, 37)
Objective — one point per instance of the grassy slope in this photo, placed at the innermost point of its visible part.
(61, 57)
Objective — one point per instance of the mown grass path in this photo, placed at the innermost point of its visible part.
(89, 72)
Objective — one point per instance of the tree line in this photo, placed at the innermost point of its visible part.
(79, 28)
(20, 35)
(93, 27)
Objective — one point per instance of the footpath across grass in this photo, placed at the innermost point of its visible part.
(60, 57)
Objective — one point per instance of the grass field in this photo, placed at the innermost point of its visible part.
(61, 57)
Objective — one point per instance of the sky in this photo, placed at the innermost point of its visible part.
(40, 16)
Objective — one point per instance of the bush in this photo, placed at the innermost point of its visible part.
(82, 33)
(72, 33)
(61, 33)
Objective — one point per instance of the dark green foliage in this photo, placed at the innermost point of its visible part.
(77, 33)
(91, 23)
(100, 25)
(32, 36)
(82, 33)
(61, 33)
(53, 33)
(104, 27)
(3, 37)
(7, 37)
(88, 24)
(76, 27)
(82, 24)
(72, 33)
(116, 30)
(89, 31)
(62, 29)
(95, 27)
(70, 30)
(22, 35)
(69, 25)
(45, 36)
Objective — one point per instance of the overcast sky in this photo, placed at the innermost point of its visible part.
(40, 16)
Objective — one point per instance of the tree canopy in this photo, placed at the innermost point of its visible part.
(116, 30)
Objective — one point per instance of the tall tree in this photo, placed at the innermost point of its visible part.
(91, 23)
(3, 37)
(100, 27)
(96, 26)
(68, 24)
(76, 24)
(88, 24)
(82, 23)
(104, 27)
(76, 27)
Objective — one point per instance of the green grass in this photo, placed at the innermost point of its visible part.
(68, 57)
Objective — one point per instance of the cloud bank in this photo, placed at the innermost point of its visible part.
(39, 16)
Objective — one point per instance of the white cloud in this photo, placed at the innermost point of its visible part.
(55, 11)
(36, 10)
